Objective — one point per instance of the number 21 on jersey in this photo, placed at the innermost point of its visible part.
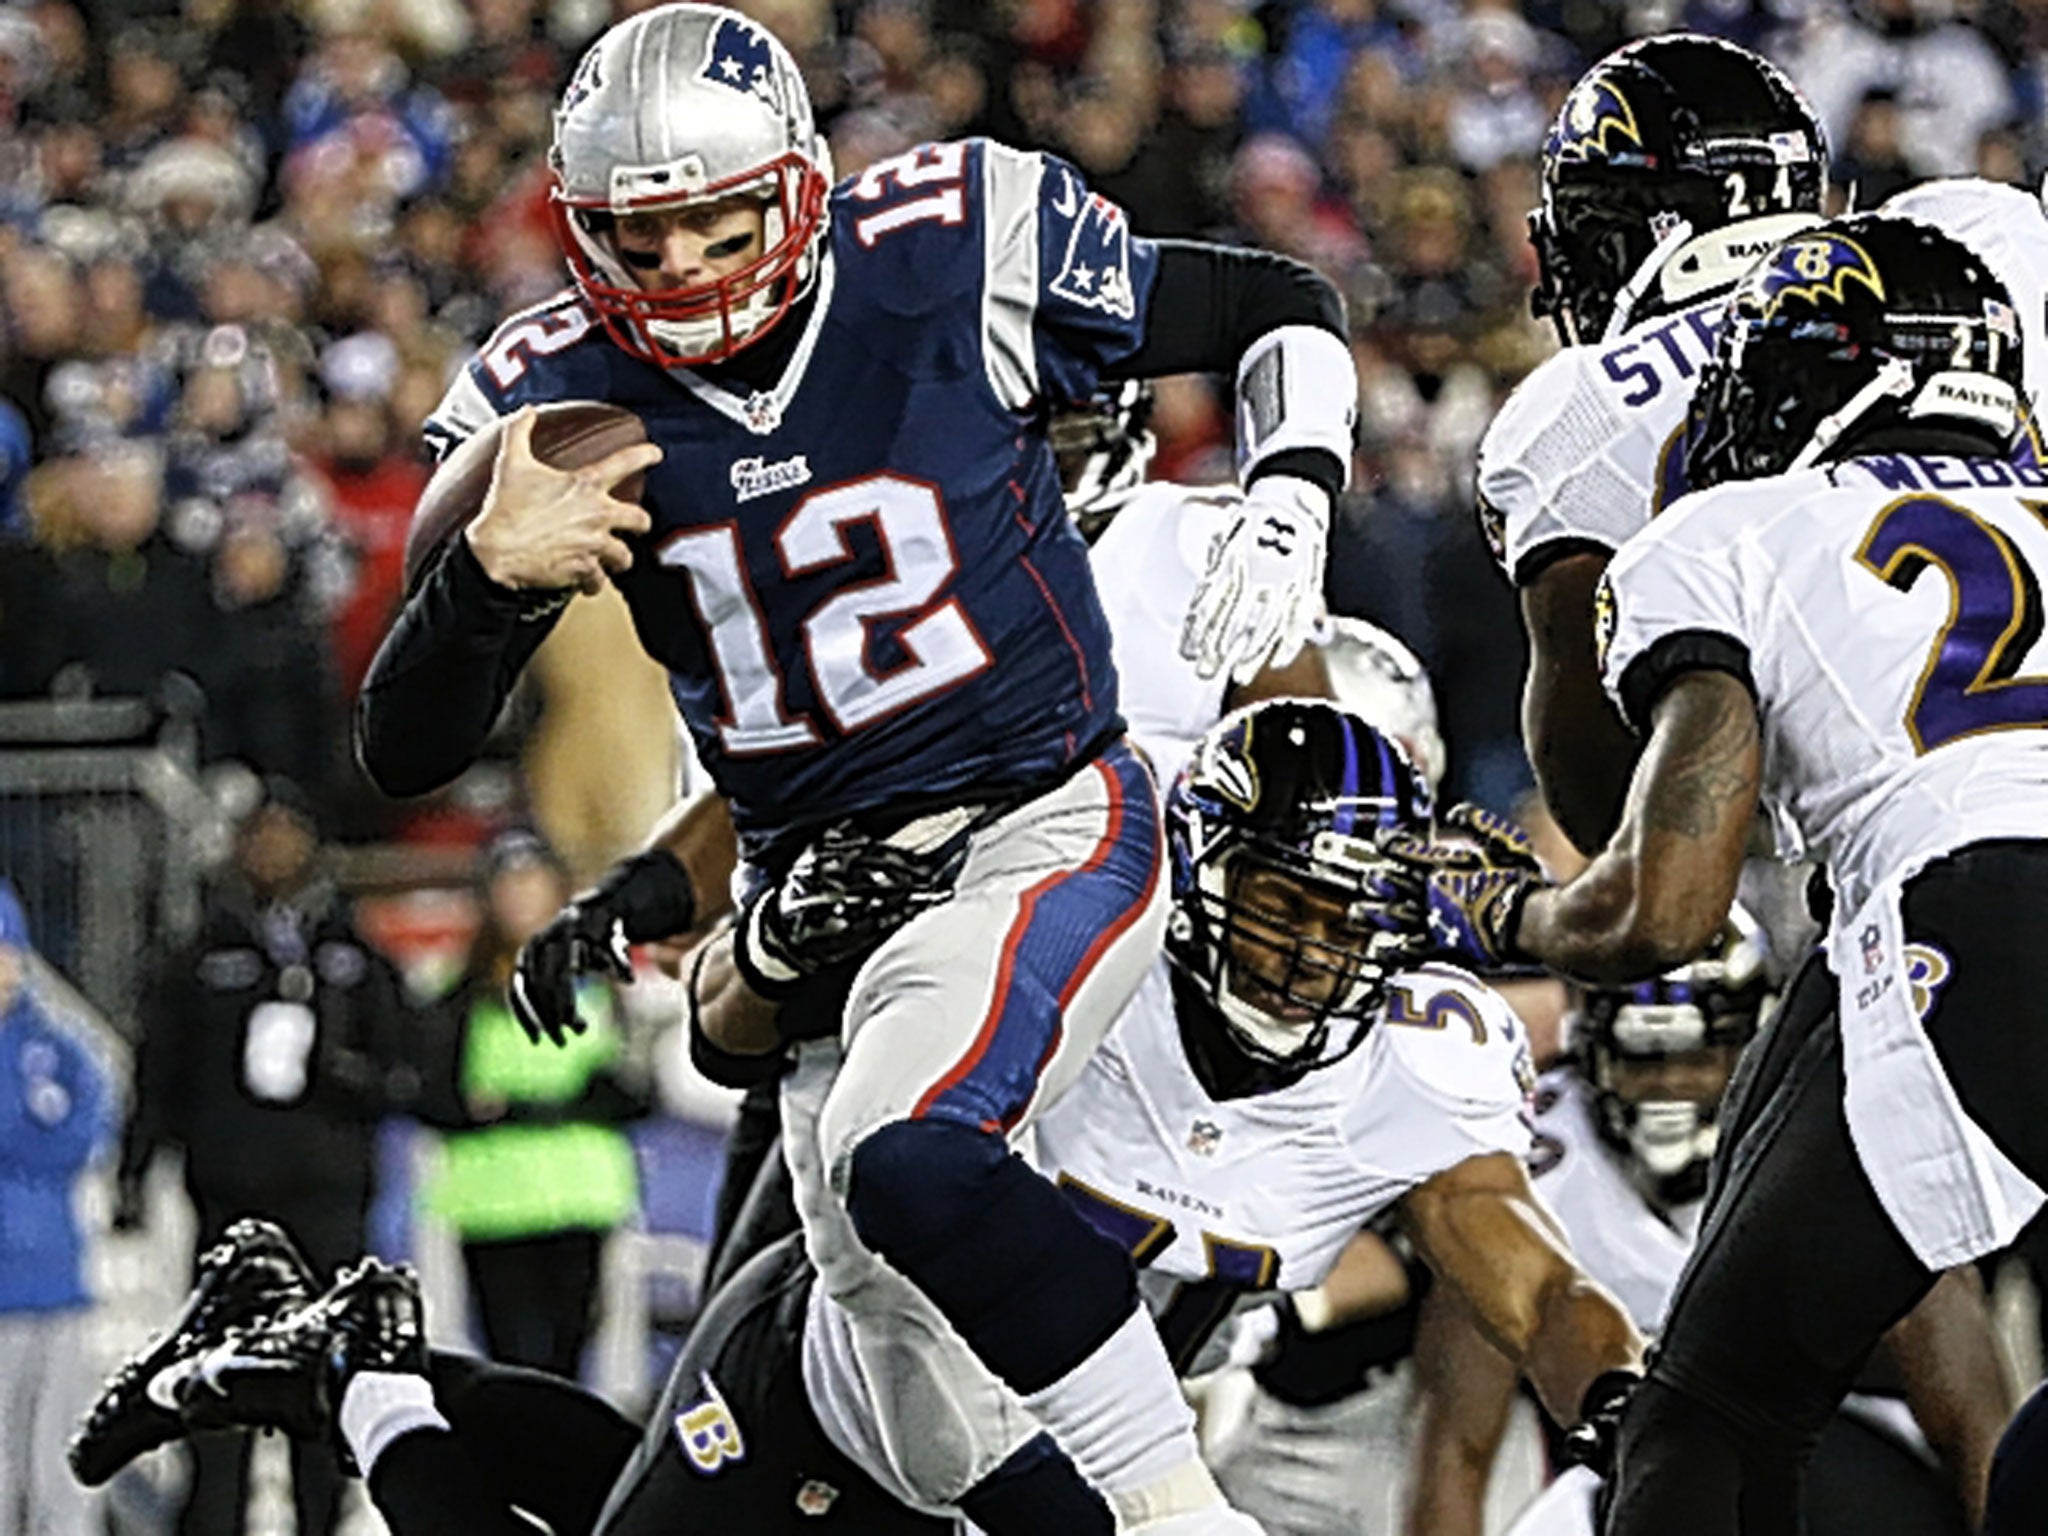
(909, 521)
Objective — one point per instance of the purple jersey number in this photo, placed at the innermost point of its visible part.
(1196, 1307)
(1969, 684)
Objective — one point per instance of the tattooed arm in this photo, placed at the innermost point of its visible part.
(1661, 888)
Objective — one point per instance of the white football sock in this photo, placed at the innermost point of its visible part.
(1120, 1416)
(377, 1407)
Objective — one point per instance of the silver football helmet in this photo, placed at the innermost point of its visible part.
(688, 104)
(1379, 680)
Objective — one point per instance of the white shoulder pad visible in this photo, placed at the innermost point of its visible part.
(1562, 460)
(1010, 180)
(1148, 563)
(1449, 1078)
(463, 412)
(1458, 1038)
(1682, 574)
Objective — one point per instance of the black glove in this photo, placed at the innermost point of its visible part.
(845, 894)
(1591, 1442)
(645, 897)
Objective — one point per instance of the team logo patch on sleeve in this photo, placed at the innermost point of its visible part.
(708, 1432)
(1606, 619)
(1095, 272)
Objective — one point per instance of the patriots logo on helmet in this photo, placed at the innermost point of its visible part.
(741, 59)
(1595, 117)
(588, 77)
(1812, 267)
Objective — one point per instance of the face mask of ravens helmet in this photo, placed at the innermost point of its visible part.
(1288, 916)
(1673, 164)
(1860, 331)
(1658, 1056)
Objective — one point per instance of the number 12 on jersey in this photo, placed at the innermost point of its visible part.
(909, 522)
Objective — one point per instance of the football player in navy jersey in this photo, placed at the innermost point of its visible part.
(852, 556)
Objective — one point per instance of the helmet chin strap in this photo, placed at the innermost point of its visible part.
(1894, 377)
(1632, 291)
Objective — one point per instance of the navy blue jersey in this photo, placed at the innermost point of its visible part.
(864, 582)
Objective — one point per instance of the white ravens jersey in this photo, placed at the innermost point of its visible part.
(1619, 1238)
(1214, 1199)
(1588, 447)
(1887, 613)
(2007, 229)
(1148, 563)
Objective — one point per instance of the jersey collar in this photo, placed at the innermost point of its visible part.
(761, 411)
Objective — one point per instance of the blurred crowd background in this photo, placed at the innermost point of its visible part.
(244, 244)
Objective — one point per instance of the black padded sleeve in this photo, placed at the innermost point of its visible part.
(1668, 659)
(443, 673)
(1211, 302)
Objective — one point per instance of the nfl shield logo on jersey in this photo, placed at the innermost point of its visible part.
(1872, 943)
(1203, 1138)
(816, 1498)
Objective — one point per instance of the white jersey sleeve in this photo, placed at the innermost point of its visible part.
(1148, 563)
(1672, 601)
(1448, 1079)
(1581, 454)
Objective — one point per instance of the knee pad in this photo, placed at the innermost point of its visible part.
(1031, 1286)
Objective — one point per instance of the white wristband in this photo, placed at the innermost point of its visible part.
(1296, 388)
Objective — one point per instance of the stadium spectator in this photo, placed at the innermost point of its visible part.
(536, 1172)
(269, 1050)
(55, 1112)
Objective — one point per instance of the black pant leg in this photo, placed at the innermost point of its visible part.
(1797, 1273)
(555, 1448)
(535, 1297)
(733, 1446)
(756, 1204)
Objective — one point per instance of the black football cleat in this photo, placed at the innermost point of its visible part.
(250, 1276)
(290, 1372)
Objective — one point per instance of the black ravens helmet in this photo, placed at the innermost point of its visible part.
(1674, 163)
(1103, 447)
(1658, 1056)
(1288, 914)
(1856, 329)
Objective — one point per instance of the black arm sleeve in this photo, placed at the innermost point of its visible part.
(443, 673)
(1211, 302)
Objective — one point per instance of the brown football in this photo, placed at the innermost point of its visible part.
(567, 435)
